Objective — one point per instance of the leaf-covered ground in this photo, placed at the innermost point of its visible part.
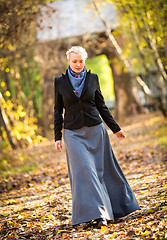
(35, 202)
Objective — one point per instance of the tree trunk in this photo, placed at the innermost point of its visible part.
(161, 81)
(126, 103)
(4, 124)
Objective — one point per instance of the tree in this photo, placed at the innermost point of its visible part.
(20, 86)
(144, 24)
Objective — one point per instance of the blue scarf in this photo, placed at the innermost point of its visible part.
(77, 80)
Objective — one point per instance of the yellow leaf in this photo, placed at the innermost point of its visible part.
(18, 137)
(150, 211)
(2, 84)
(42, 218)
(10, 47)
(49, 216)
(7, 93)
(103, 228)
(10, 222)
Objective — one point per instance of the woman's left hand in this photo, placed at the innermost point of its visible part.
(120, 134)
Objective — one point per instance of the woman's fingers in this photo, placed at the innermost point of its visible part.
(58, 145)
(120, 134)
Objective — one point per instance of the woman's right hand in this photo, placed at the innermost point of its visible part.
(58, 145)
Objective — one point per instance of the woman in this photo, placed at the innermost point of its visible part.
(99, 188)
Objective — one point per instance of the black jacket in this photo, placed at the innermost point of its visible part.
(82, 111)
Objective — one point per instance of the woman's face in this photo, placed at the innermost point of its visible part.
(76, 62)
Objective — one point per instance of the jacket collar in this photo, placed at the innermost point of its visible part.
(69, 86)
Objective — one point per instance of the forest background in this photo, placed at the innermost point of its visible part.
(131, 61)
(142, 26)
(139, 46)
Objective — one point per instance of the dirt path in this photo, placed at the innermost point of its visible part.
(37, 204)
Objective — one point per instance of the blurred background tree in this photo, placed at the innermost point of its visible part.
(26, 85)
(21, 92)
(144, 24)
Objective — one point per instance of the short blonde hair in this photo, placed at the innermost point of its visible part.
(77, 49)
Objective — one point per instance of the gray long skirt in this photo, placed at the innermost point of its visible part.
(98, 185)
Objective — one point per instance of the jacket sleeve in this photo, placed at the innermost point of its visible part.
(58, 112)
(104, 111)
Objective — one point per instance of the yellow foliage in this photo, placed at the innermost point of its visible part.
(134, 60)
(42, 218)
(10, 47)
(4, 133)
(103, 228)
(18, 137)
(24, 128)
(7, 93)
(125, 69)
(2, 84)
